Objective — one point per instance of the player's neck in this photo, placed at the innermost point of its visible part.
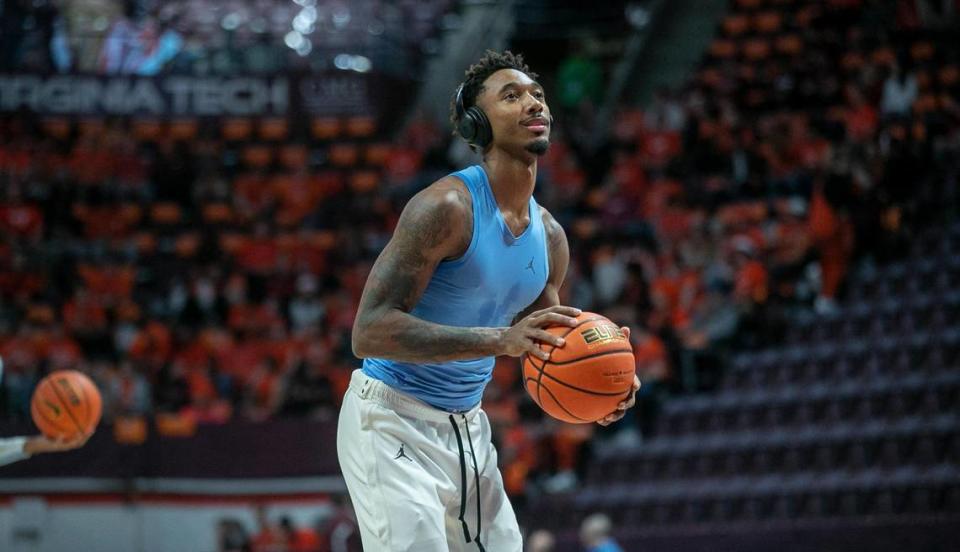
(512, 180)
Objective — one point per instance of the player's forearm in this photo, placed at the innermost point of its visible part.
(400, 336)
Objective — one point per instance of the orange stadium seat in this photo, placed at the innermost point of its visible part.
(90, 126)
(40, 314)
(922, 51)
(170, 424)
(364, 181)
(949, 75)
(806, 15)
(325, 128)
(231, 242)
(218, 213)
(767, 22)
(147, 130)
(166, 213)
(926, 103)
(711, 77)
(735, 25)
(376, 154)
(884, 56)
(723, 49)
(130, 430)
(293, 156)
(789, 45)
(851, 61)
(322, 239)
(273, 129)
(57, 127)
(128, 311)
(183, 129)
(187, 245)
(756, 49)
(236, 129)
(343, 155)
(361, 127)
(146, 243)
(257, 156)
(130, 213)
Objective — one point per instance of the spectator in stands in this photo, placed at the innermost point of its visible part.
(232, 537)
(339, 532)
(540, 540)
(595, 534)
(899, 92)
(304, 539)
(269, 536)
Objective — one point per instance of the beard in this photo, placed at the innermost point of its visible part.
(539, 146)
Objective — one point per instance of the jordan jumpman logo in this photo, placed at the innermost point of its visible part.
(402, 454)
(530, 266)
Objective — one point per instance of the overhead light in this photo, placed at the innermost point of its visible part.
(293, 40)
(231, 21)
(342, 61)
(341, 16)
(360, 64)
(304, 47)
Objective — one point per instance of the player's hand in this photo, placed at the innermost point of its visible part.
(41, 443)
(526, 335)
(627, 404)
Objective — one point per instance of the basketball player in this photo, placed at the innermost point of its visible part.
(472, 271)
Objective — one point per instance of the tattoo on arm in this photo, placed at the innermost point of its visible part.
(435, 225)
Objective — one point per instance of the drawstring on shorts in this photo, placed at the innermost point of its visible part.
(463, 479)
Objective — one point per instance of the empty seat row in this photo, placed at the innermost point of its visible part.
(854, 455)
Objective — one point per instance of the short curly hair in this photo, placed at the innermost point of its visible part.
(474, 77)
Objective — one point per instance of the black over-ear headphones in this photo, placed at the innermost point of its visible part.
(472, 123)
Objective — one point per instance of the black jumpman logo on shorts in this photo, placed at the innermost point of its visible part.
(530, 266)
(401, 454)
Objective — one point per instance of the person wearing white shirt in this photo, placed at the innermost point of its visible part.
(13, 449)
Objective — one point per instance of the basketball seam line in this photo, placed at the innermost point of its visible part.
(44, 416)
(574, 387)
(557, 401)
(540, 370)
(552, 347)
(86, 403)
(588, 357)
(67, 409)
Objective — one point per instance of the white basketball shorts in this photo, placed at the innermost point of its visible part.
(421, 479)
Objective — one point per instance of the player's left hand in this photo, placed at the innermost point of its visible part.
(625, 405)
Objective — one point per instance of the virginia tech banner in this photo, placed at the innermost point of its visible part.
(338, 93)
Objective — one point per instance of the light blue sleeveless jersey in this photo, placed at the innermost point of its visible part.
(499, 275)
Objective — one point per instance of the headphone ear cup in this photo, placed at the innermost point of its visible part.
(483, 133)
(467, 127)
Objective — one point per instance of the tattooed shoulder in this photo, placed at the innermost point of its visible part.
(442, 215)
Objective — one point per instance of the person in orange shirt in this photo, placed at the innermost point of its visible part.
(270, 537)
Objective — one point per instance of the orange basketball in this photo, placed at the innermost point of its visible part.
(66, 404)
(586, 378)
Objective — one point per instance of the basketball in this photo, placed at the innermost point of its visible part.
(586, 378)
(66, 404)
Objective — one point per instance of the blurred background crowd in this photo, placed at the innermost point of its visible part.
(211, 268)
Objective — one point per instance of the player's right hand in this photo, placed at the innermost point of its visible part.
(526, 335)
